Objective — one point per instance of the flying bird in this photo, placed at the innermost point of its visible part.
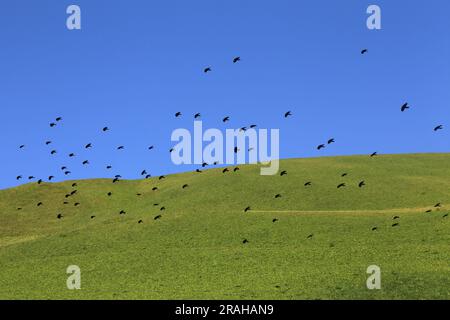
(308, 184)
(237, 59)
(59, 216)
(277, 196)
(310, 236)
(89, 145)
(225, 170)
(374, 154)
(364, 51)
(440, 127)
(58, 119)
(247, 209)
(287, 114)
(206, 70)
(395, 224)
(105, 129)
(284, 172)
(53, 152)
(374, 228)
(344, 175)
(235, 169)
(197, 115)
(52, 124)
(330, 141)
(185, 186)
(361, 184)
(395, 217)
(157, 217)
(140, 221)
(120, 148)
(47, 142)
(341, 185)
(245, 241)
(320, 146)
(226, 119)
(85, 162)
(177, 114)
(22, 146)
(274, 220)
(404, 107)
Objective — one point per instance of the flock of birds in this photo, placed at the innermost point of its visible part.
(146, 175)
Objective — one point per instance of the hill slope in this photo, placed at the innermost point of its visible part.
(195, 250)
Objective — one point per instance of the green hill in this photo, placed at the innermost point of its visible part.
(196, 250)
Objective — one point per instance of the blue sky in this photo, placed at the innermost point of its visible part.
(135, 63)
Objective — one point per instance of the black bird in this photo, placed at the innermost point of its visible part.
(198, 170)
(39, 204)
(235, 169)
(39, 181)
(139, 194)
(140, 221)
(18, 177)
(320, 146)
(404, 107)
(122, 212)
(162, 208)
(236, 149)
(341, 185)
(361, 184)
(157, 217)
(89, 145)
(428, 211)
(19, 208)
(437, 205)
(22, 146)
(30, 178)
(197, 115)
(148, 176)
(150, 148)
(364, 51)
(310, 236)
(47, 142)
(105, 129)
(243, 129)
(277, 196)
(109, 194)
(154, 188)
(204, 164)
(67, 173)
(247, 209)
(395, 217)
(115, 180)
(308, 184)
(161, 177)
(445, 215)
(344, 175)
(274, 220)
(395, 224)
(53, 152)
(330, 141)
(63, 168)
(59, 216)
(143, 172)
(287, 114)
(237, 59)
(225, 170)
(92, 217)
(185, 186)
(58, 119)
(440, 127)
(108, 167)
(72, 155)
(171, 149)
(284, 172)
(120, 148)
(177, 114)
(245, 241)
(50, 178)
(76, 204)
(206, 70)
(52, 124)
(226, 119)
(67, 195)
(374, 228)
(253, 126)
(374, 154)
(74, 185)
(85, 162)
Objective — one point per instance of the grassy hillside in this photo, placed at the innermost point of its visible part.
(195, 250)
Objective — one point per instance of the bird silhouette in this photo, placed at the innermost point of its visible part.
(108, 167)
(395, 217)
(309, 183)
(247, 209)
(206, 70)
(154, 188)
(105, 129)
(18, 177)
(50, 178)
(437, 205)
(236, 169)
(428, 211)
(150, 148)
(89, 145)
(322, 146)
(283, 173)
(252, 126)
(92, 217)
(67, 173)
(364, 51)
(404, 107)
(341, 185)
(204, 164)
(361, 184)
(109, 194)
(122, 212)
(140, 221)
(288, 114)
(439, 127)
(47, 142)
(330, 141)
(445, 215)
(310, 236)
(76, 204)
(74, 185)
(58, 119)
(245, 241)
(274, 220)
(344, 175)
(53, 152)
(277, 196)
(148, 176)
(237, 59)
(198, 171)
(143, 172)
(242, 129)
(374, 228)
(197, 115)
(22, 146)
(157, 217)
(40, 204)
(120, 147)
(85, 162)
(226, 119)
(52, 124)
(161, 177)
(225, 170)
(71, 155)
(178, 114)
(185, 186)
(395, 224)
(59, 216)
(374, 154)
(162, 208)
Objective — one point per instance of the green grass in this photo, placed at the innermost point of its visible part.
(195, 251)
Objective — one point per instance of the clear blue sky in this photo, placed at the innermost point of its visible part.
(135, 63)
